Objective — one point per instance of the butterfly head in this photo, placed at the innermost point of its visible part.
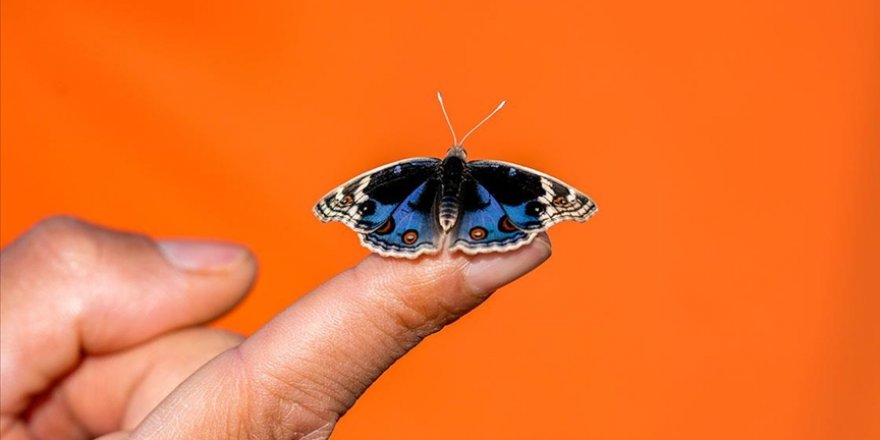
(457, 149)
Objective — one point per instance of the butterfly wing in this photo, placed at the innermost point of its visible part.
(484, 226)
(533, 201)
(366, 202)
(411, 229)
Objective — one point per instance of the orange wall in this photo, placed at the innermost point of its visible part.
(728, 289)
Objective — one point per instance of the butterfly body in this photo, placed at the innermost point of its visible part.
(421, 205)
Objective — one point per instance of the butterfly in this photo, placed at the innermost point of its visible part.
(421, 205)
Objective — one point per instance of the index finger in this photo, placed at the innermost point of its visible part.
(297, 375)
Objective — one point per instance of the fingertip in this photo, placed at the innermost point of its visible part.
(205, 256)
(486, 273)
(437, 289)
(479, 274)
(215, 275)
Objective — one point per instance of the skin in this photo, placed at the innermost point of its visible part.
(102, 334)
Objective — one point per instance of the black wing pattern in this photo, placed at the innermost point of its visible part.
(366, 202)
(532, 200)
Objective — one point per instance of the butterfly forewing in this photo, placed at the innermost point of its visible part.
(366, 202)
(533, 201)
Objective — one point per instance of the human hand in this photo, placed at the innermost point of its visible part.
(101, 332)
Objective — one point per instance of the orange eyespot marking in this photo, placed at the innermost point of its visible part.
(561, 202)
(386, 227)
(505, 225)
(410, 237)
(346, 201)
(478, 233)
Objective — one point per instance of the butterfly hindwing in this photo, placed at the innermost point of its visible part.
(367, 201)
(533, 200)
(483, 225)
(411, 229)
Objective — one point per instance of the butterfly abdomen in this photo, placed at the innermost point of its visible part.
(448, 213)
(452, 173)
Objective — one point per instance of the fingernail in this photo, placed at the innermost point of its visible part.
(489, 272)
(207, 256)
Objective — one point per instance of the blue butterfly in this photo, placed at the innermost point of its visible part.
(417, 206)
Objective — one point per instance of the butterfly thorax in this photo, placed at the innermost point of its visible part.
(452, 171)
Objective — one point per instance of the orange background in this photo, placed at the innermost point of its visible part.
(728, 288)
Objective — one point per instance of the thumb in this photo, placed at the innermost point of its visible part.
(297, 375)
(71, 289)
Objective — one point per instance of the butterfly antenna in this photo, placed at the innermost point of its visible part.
(448, 122)
(482, 122)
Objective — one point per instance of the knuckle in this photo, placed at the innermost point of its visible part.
(389, 310)
(60, 227)
(284, 403)
(411, 298)
(66, 244)
(306, 403)
(70, 247)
